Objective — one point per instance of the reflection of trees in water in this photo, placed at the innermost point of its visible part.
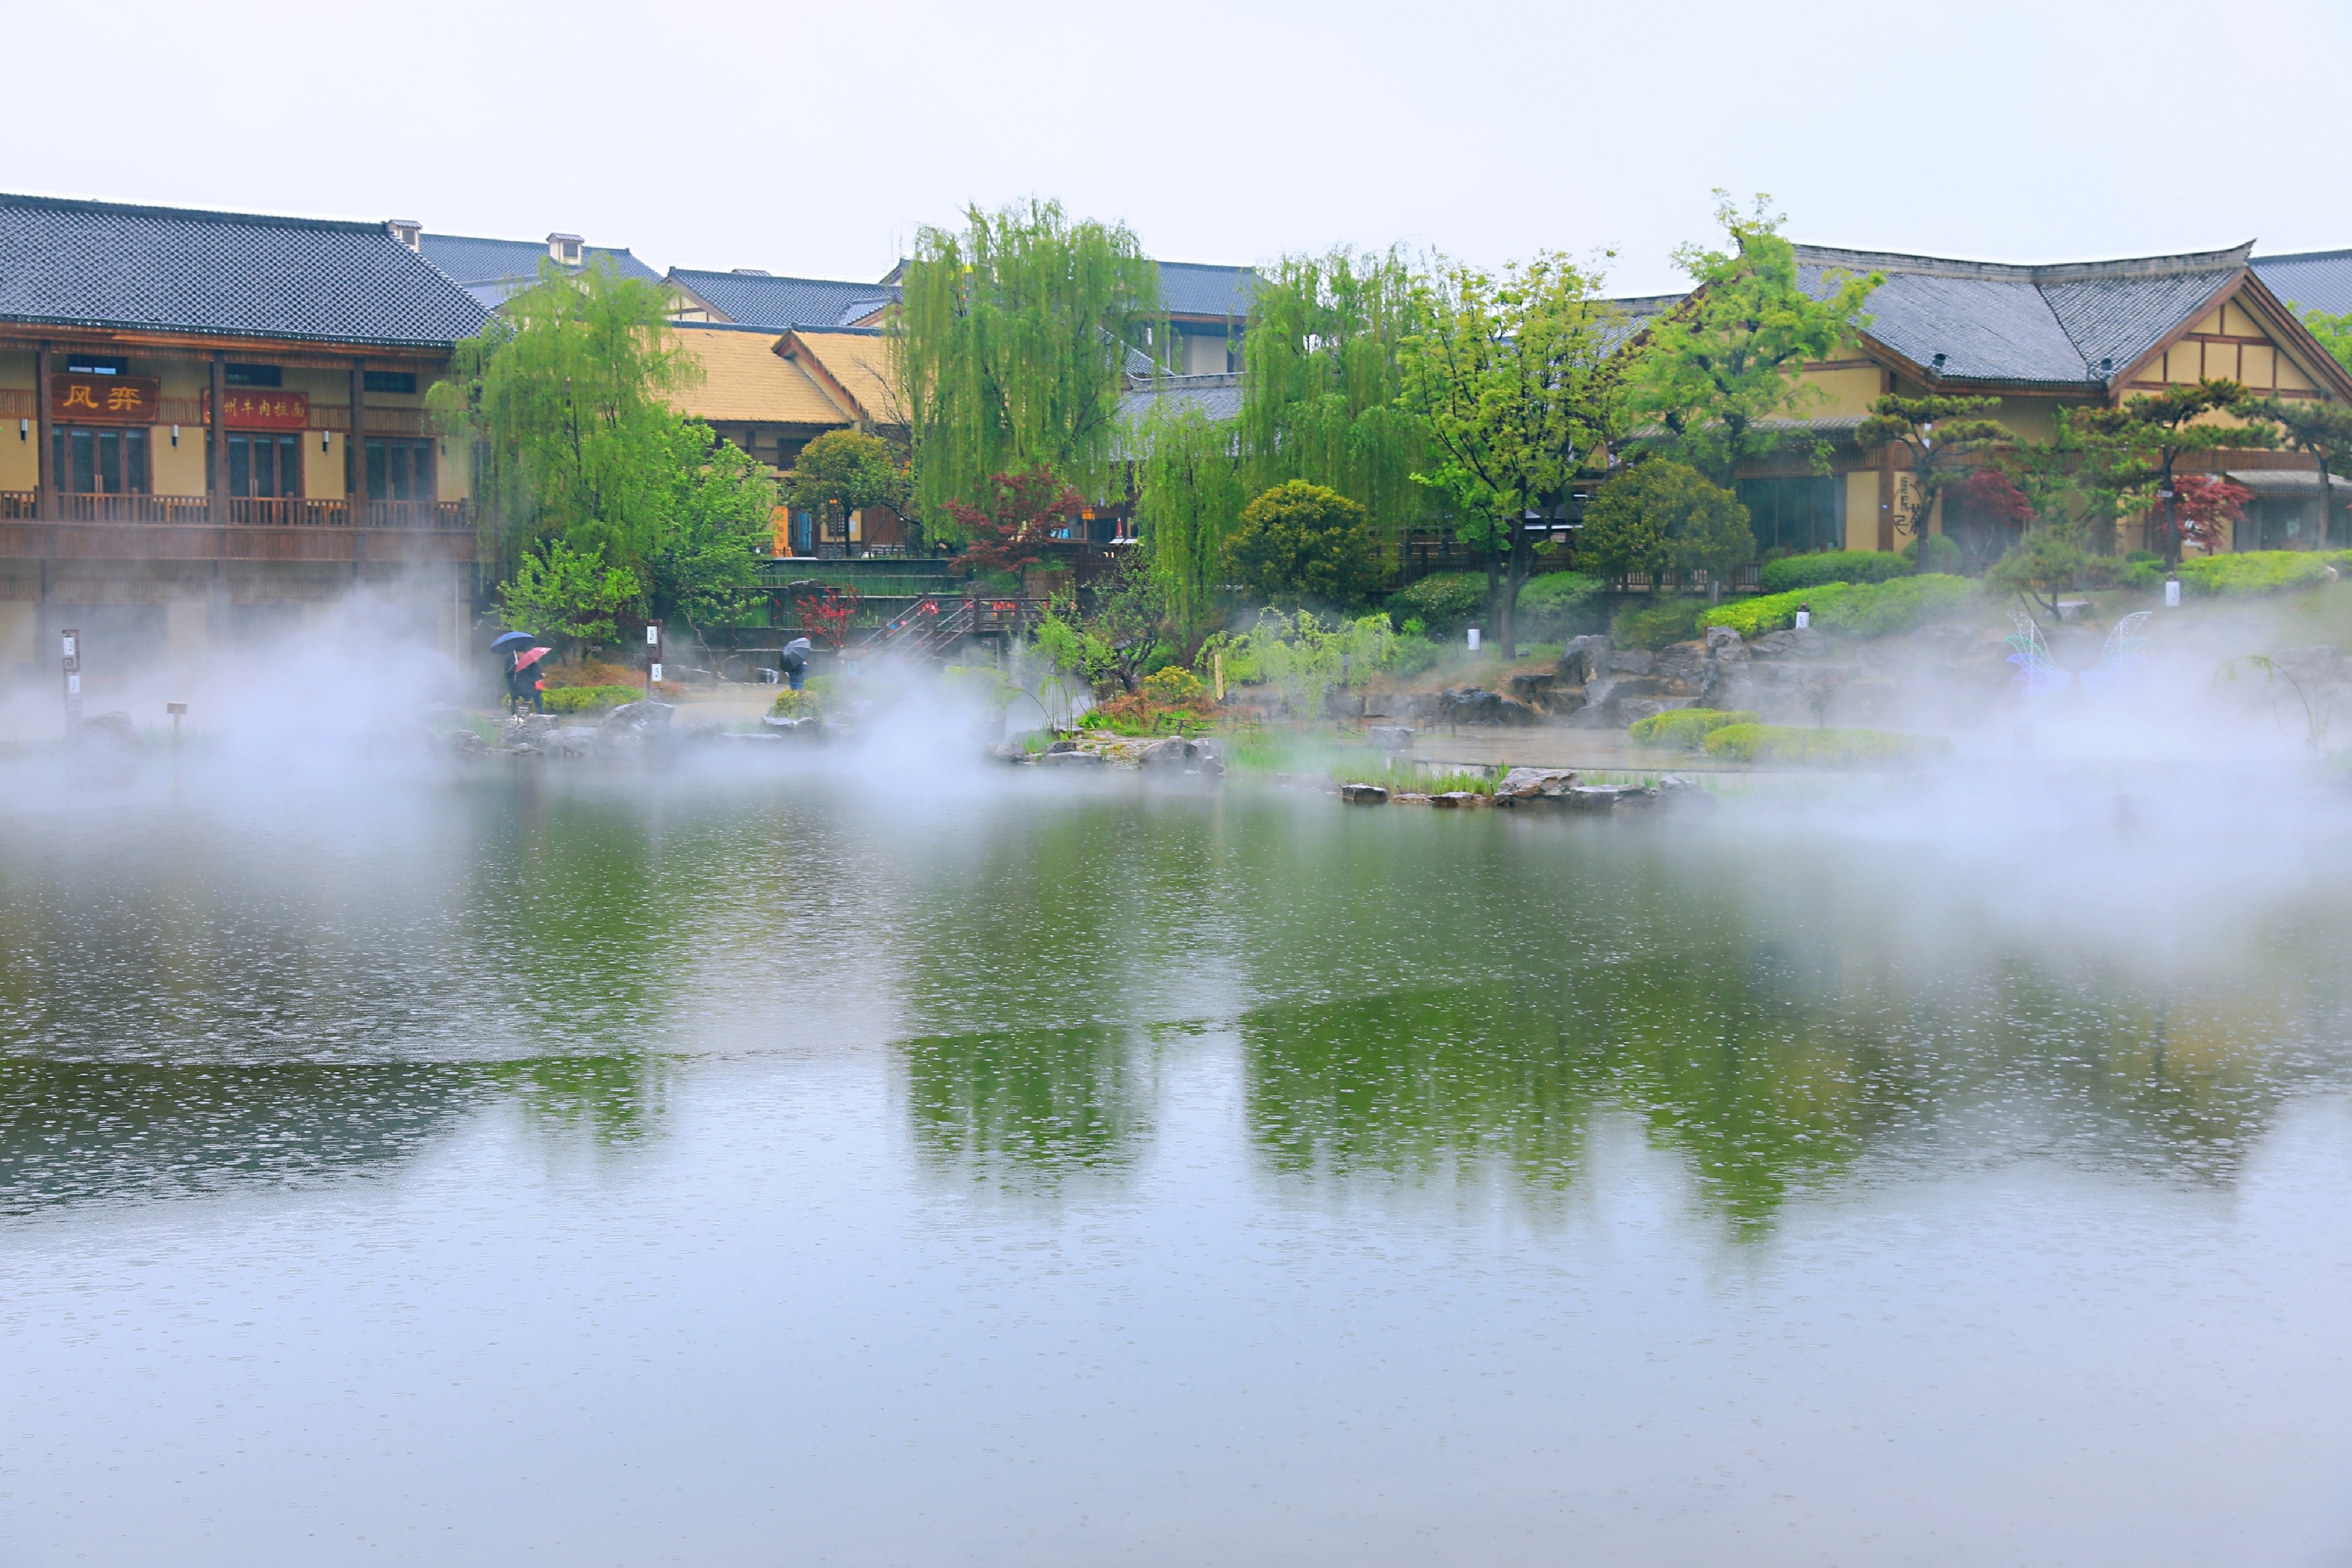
(1044, 1101)
(73, 1131)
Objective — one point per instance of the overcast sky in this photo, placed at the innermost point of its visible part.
(815, 140)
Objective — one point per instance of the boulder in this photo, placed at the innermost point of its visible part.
(1680, 791)
(1390, 737)
(1458, 798)
(1565, 700)
(1071, 759)
(1055, 748)
(1609, 797)
(1475, 705)
(579, 739)
(1632, 661)
(636, 723)
(1341, 703)
(1534, 784)
(1364, 795)
(532, 729)
(1009, 752)
(1534, 689)
(465, 743)
(1726, 646)
(807, 727)
(1168, 755)
(1582, 660)
(1794, 643)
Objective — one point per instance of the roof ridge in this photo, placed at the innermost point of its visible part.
(2306, 256)
(778, 277)
(2035, 273)
(130, 209)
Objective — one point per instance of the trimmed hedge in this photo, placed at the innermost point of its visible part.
(588, 698)
(1832, 567)
(1864, 610)
(1675, 620)
(1822, 748)
(1685, 727)
(1564, 602)
(2251, 573)
(1445, 602)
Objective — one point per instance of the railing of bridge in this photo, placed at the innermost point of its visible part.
(243, 511)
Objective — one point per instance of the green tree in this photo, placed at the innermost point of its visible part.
(1012, 345)
(844, 472)
(2325, 431)
(2051, 559)
(704, 567)
(2333, 333)
(1658, 516)
(568, 391)
(568, 593)
(1719, 369)
(1302, 542)
(1190, 480)
(1940, 435)
(1518, 382)
(1323, 373)
(2143, 440)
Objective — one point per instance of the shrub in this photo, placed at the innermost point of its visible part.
(1444, 604)
(1865, 610)
(593, 672)
(1685, 727)
(1822, 748)
(2249, 572)
(1833, 566)
(1565, 603)
(2143, 575)
(1301, 542)
(1654, 627)
(588, 698)
(1173, 685)
(1943, 555)
(1663, 516)
(1412, 654)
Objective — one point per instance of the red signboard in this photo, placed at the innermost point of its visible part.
(78, 399)
(264, 409)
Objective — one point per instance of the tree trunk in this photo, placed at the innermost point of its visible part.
(1494, 584)
(1513, 579)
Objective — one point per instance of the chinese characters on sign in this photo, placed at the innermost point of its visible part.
(105, 399)
(264, 410)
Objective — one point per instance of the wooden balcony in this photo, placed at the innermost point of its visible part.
(256, 528)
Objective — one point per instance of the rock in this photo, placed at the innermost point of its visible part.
(1533, 689)
(1474, 705)
(1343, 704)
(1631, 710)
(579, 739)
(1408, 797)
(1534, 784)
(1724, 644)
(808, 727)
(1055, 748)
(1011, 751)
(1072, 759)
(1390, 737)
(532, 729)
(1794, 643)
(636, 721)
(1564, 702)
(700, 729)
(1364, 795)
(1458, 798)
(1633, 661)
(1582, 660)
(1609, 797)
(465, 743)
(1680, 791)
(1164, 755)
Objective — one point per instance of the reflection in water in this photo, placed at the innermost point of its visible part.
(1051, 1099)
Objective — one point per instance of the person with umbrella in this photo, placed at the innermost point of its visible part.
(794, 662)
(523, 679)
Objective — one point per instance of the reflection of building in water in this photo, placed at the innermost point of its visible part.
(219, 427)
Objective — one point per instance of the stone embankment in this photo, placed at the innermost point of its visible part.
(633, 727)
(1563, 789)
(1162, 754)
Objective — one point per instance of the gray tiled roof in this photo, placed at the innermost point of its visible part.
(2315, 279)
(2051, 326)
(69, 263)
(1218, 396)
(755, 300)
(1196, 288)
(493, 270)
(2288, 484)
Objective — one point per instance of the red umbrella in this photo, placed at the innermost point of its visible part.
(525, 660)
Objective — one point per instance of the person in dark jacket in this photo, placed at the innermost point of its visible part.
(526, 680)
(794, 663)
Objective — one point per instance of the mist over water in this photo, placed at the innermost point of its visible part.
(869, 1157)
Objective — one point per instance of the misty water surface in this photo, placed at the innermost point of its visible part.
(794, 1169)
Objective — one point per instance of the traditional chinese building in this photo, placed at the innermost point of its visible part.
(218, 428)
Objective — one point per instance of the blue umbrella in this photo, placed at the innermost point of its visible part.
(506, 640)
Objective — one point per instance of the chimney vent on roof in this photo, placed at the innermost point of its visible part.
(407, 230)
(1939, 365)
(752, 272)
(564, 247)
(2106, 367)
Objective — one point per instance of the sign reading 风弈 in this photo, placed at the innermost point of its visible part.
(263, 409)
(106, 399)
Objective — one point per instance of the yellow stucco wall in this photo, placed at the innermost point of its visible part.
(1862, 510)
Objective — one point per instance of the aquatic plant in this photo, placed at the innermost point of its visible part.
(1822, 748)
(1685, 727)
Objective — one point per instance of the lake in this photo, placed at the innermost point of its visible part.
(875, 1167)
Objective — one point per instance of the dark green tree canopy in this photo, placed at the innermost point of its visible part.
(845, 471)
(1662, 516)
(1300, 542)
(1940, 433)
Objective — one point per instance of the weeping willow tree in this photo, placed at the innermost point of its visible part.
(1189, 493)
(1013, 338)
(1322, 382)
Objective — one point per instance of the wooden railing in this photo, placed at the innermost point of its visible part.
(244, 512)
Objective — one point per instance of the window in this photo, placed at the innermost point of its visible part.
(254, 375)
(84, 364)
(99, 462)
(265, 464)
(400, 471)
(401, 381)
(1796, 515)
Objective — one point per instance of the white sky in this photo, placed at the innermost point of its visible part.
(815, 140)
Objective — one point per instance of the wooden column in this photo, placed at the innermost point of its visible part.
(44, 499)
(356, 446)
(216, 437)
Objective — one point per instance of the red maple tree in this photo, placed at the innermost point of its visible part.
(1022, 512)
(2206, 507)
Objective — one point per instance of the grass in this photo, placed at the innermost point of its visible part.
(1404, 778)
(1802, 747)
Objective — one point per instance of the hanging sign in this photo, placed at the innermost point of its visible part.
(81, 399)
(263, 409)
